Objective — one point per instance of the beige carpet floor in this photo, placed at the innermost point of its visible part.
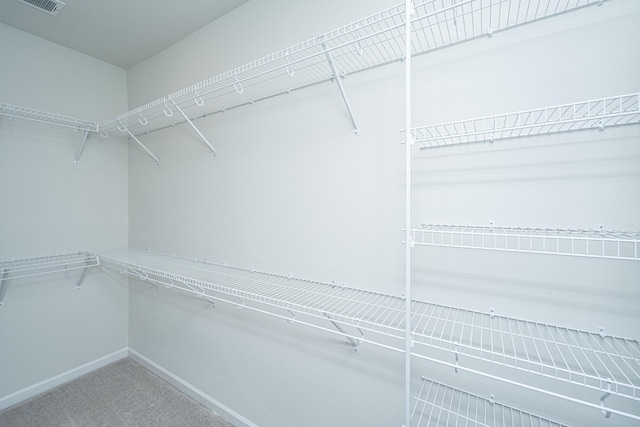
(122, 394)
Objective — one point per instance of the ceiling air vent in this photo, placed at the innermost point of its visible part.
(52, 7)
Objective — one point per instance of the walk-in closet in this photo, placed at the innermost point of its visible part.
(331, 213)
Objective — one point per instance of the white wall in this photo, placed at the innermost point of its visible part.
(291, 190)
(51, 206)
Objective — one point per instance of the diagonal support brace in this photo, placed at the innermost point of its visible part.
(82, 277)
(338, 80)
(194, 126)
(200, 291)
(81, 148)
(352, 340)
(4, 284)
(124, 129)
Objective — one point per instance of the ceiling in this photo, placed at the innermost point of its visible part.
(120, 32)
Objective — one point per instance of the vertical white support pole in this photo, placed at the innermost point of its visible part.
(407, 237)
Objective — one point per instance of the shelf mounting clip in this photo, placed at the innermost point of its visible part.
(606, 413)
(338, 80)
(293, 317)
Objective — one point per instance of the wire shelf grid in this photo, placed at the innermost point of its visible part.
(579, 357)
(370, 42)
(352, 307)
(589, 359)
(623, 245)
(45, 117)
(590, 114)
(439, 405)
(45, 265)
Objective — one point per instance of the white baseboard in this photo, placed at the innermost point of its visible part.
(198, 395)
(53, 382)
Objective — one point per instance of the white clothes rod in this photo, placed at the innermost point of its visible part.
(587, 359)
(441, 405)
(364, 44)
(591, 114)
(623, 245)
(45, 117)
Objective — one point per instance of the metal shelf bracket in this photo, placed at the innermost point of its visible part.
(200, 292)
(242, 305)
(4, 284)
(122, 128)
(338, 80)
(82, 277)
(194, 126)
(354, 342)
(81, 148)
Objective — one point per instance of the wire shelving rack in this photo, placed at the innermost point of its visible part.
(441, 405)
(593, 360)
(16, 269)
(592, 114)
(583, 358)
(47, 265)
(623, 245)
(46, 117)
(588, 359)
(367, 43)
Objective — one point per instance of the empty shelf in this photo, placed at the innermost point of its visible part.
(588, 359)
(592, 114)
(285, 296)
(46, 265)
(49, 118)
(440, 405)
(623, 245)
(365, 44)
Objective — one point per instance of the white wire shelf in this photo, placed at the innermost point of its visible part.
(45, 117)
(46, 265)
(364, 44)
(588, 359)
(279, 295)
(439, 405)
(592, 114)
(10, 270)
(623, 245)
